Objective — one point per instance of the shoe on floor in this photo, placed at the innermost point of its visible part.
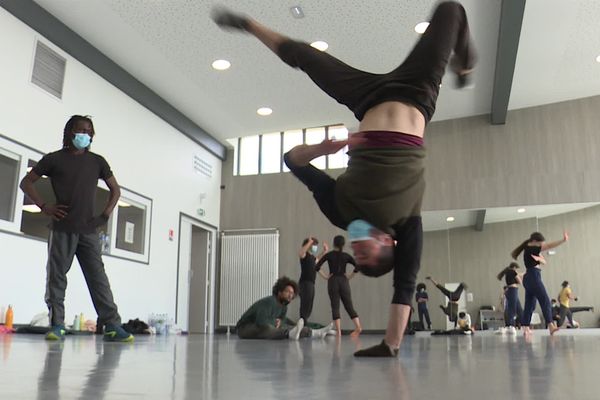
(115, 333)
(57, 332)
(294, 333)
(511, 330)
(379, 350)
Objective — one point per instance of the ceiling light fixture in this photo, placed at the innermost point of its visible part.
(598, 59)
(421, 27)
(31, 208)
(320, 45)
(221, 65)
(450, 219)
(264, 111)
(297, 12)
(521, 210)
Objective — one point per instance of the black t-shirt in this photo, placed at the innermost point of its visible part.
(307, 267)
(337, 261)
(510, 277)
(421, 295)
(74, 179)
(528, 252)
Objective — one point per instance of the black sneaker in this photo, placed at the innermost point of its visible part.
(229, 20)
(379, 350)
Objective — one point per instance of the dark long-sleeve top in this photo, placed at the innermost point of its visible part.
(337, 261)
(263, 312)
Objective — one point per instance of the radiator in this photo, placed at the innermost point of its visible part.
(249, 268)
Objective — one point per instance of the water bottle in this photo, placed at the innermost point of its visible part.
(9, 317)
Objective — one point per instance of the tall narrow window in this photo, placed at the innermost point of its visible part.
(339, 159)
(290, 140)
(249, 155)
(9, 174)
(234, 143)
(314, 136)
(270, 153)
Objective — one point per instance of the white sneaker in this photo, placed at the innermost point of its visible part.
(511, 330)
(294, 333)
(500, 331)
(332, 332)
(321, 333)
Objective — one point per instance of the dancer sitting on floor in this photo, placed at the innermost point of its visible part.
(264, 319)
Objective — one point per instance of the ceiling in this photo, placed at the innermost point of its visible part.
(169, 46)
(436, 220)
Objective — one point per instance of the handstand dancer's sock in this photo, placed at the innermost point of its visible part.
(229, 20)
(379, 350)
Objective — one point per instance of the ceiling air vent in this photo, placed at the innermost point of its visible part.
(48, 70)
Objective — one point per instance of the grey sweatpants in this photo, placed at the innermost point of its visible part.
(62, 247)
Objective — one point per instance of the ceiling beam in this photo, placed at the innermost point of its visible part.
(479, 220)
(511, 21)
(36, 17)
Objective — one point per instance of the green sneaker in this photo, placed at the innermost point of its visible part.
(57, 332)
(114, 333)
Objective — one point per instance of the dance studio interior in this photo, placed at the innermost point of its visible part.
(225, 251)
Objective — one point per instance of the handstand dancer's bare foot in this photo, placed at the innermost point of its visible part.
(552, 328)
(527, 332)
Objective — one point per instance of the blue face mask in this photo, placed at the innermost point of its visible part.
(314, 249)
(82, 140)
(359, 230)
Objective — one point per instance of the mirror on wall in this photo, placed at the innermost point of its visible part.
(473, 246)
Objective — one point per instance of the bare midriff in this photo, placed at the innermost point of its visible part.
(394, 116)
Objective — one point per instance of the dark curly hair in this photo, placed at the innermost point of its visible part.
(282, 283)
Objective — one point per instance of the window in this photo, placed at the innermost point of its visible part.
(270, 153)
(234, 143)
(127, 233)
(314, 136)
(33, 221)
(290, 140)
(9, 174)
(339, 159)
(263, 154)
(249, 155)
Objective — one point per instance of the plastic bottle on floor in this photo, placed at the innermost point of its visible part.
(9, 317)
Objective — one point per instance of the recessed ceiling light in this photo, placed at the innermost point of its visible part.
(521, 210)
(297, 12)
(264, 111)
(320, 45)
(421, 27)
(598, 59)
(221, 65)
(450, 219)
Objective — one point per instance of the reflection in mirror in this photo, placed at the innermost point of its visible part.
(477, 244)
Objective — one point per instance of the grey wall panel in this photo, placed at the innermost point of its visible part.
(544, 155)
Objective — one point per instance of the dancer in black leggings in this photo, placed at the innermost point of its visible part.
(306, 283)
(532, 280)
(381, 191)
(337, 284)
(513, 307)
(451, 309)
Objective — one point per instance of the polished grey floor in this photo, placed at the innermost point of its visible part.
(483, 366)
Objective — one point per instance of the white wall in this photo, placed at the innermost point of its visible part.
(147, 156)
